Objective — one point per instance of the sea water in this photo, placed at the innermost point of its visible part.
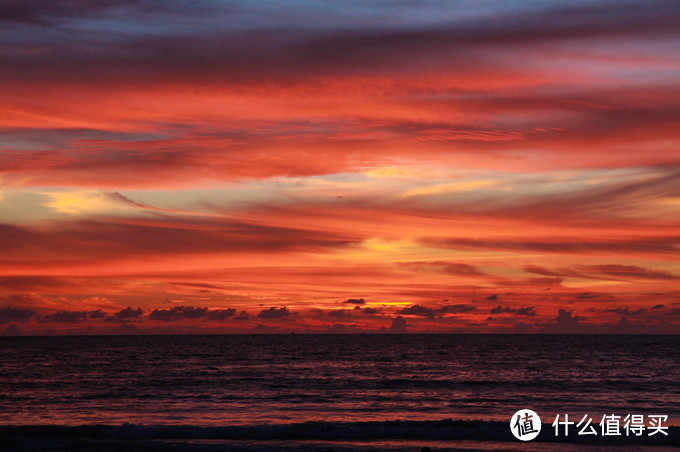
(269, 392)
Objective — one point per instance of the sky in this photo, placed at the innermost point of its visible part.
(344, 167)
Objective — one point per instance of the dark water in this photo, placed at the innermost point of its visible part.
(265, 388)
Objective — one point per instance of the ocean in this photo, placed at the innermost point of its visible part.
(333, 392)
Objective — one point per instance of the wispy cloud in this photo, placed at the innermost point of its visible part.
(280, 166)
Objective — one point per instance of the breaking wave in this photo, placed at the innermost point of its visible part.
(439, 430)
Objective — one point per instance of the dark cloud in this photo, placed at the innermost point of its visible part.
(626, 312)
(456, 309)
(624, 326)
(492, 297)
(261, 327)
(98, 314)
(126, 315)
(243, 315)
(422, 311)
(178, 313)
(340, 313)
(221, 314)
(526, 311)
(36, 12)
(89, 240)
(658, 306)
(11, 330)
(66, 317)
(418, 310)
(274, 313)
(9, 315)
(290, 53)
(367, 311)
(567, 323)
(398, 326)
(355, 301)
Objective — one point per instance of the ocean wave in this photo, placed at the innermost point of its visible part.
(438, 430)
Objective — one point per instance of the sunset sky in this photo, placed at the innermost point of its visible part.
(320, 166)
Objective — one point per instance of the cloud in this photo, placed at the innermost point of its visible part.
(422, 311)
(35, 302)
(9, 315)
(563, 245)
(265, 51)
(340, 313)
(604, 272)
(418, 310)
(626, 312)
(117, 197)
(449, 268)
(286, 80)
(398, 326)
(117, 238)
(456, 309)
(567, 323)
(243, 315)
(34, 283)
(98, 314)
(65, 316)
(274, 313)
(34, 12)
(355, 301)
(526, 311)
(126, 315)
(542, 282)
(11, 330)
(280, 153)
(624, 326)
(629, 271)
(221, 314)
(178, 313)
